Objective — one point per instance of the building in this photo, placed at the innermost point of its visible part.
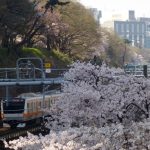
(132, 15)
(135, 30)
(97, 14)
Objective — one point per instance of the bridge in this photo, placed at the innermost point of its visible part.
(9, 82)
(31, 71)
(25, 76)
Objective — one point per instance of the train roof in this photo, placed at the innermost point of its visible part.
(53, 92)
(31, 96)
(27, 95)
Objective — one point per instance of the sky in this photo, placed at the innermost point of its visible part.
(119, 8)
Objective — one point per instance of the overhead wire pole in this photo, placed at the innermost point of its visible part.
(20, 60)
(26, 60)
(7, 89)
(44, 89)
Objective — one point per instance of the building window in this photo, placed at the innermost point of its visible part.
(138, 28)
(148, 27)
(135, 38)
(142, 28)
(127, 36)
(127, 27)
(143, 40)
(138, 37)
(116, 27)
(132, 27)
(122, 27)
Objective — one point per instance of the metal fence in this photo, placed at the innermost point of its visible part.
(138, 70)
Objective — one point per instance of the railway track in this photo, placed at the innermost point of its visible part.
(10, 134)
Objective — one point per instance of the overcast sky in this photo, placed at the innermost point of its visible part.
(113, 7)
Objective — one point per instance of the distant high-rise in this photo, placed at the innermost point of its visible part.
(97, 14)
(136, 31)
(131, 15)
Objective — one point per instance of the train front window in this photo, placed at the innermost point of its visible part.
(16, 105)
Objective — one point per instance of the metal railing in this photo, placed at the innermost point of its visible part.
(137, 70)
(30, 71)
(11, 74)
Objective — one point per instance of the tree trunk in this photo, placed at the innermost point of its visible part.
(5, 41)
(48, 43)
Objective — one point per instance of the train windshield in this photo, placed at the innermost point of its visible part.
(15, 105)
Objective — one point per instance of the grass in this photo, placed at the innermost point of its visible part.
(32, 52)
(60, 58)
(57, 58)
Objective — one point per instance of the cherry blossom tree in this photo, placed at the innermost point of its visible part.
(99, 95)
(100, 108)
(114, 137)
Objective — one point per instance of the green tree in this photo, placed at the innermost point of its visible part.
(118, 51)
(83, 30)
(71, 29)
(20, 22)
(14, 16)
(126, 42)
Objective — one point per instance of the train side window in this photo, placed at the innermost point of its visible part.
(49, 103)
(46, 103)
(28, 109)
(31, 107)
(39, 104)
(36, 105)
(53, 100)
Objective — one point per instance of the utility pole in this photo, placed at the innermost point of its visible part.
(126, 41)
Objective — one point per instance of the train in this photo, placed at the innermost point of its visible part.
(27, 108)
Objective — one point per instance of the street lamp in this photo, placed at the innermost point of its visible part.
(126, 41)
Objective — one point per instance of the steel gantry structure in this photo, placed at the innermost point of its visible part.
(29, 72)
